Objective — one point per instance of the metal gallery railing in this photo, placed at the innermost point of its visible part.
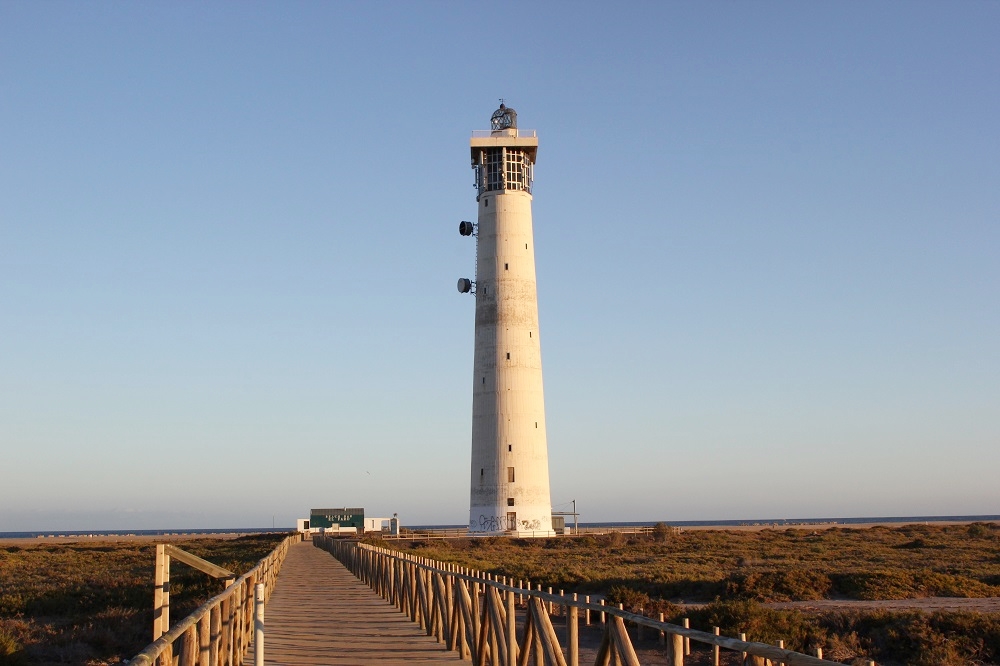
(219, 632)
(475, 615)
(518, 133)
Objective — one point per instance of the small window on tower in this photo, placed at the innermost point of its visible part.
(505, 266)
(510, 475)
(510, 501)
(510, 447)
(484, 380)
(508, 356)
(536, 424)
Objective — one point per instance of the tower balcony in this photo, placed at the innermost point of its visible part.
(509, 133)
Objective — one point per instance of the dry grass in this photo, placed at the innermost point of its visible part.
(734, 571)
(910, 561)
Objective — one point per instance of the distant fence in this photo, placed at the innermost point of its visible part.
(473, 613)
(219, 631)
(464, 533)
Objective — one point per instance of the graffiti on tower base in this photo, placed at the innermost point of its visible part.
(503, 524)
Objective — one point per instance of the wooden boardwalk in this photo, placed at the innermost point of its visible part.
(320, 614)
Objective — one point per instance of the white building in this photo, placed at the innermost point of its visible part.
(510, 468)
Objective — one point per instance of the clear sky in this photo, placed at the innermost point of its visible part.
(767, 240)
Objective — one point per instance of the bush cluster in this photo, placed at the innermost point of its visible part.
(889, 638)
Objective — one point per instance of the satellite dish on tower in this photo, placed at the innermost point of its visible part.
(464, 285)
(466, 228)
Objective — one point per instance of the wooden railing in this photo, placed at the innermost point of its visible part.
(475, 615)
(219, 631)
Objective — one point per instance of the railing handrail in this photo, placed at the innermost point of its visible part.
(788, 657)
(149, 655)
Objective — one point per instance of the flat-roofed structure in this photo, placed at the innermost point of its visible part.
(337, 518)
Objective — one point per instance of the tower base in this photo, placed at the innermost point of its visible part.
(531, 534)
(535, 534)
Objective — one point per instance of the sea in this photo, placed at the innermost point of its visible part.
(123, 533)
(771, 522)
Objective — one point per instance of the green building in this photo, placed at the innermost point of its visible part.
(328, 518)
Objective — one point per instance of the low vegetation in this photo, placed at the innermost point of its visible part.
(92, 602)
(733, 573)
(910, 561)
(891, 638)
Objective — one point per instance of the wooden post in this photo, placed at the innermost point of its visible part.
(258, 625)
(189, 647)
(586, 612)
(463, 646)
(743, 637)
(215, 649)
(781, 644)
(638, 627)
(511, 629)
(477, 624)
(715, 649)
(819, 652)
(449, 596)
(494, 648)
(573, 633)
(161, 592)
(663, 636)
(227, 630)
(550, 603)
(603, 620)
(239, 624)
(687, 641)
(204, 639)
(676, 650)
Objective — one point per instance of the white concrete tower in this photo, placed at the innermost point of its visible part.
(510, 465)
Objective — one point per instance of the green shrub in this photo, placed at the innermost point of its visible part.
(895, 584)
(759, 623)
(796, 584)
(661, 532)
(631, 599)
(980, 530)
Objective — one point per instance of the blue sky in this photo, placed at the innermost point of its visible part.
(766, 235)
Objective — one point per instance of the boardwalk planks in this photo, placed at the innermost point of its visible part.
(320, 614)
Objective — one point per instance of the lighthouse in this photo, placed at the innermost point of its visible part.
(510, 465)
